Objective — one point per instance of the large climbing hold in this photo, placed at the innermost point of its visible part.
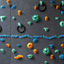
(61, 23)
(61, 56)
(2, 18)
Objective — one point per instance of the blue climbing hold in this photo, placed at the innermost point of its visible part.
(35, 40)
(61, 56)
(13, 7)
(51, 46)
(62, 12)
(2, 40)
(2, 6)
(18, 45)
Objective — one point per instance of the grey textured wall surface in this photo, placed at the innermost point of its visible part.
(9, 27)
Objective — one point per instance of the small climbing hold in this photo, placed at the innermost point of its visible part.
(2, 50)
(46, 18)
(35, 7)
(2, 6)
(35, 51)
(51, 46)
(2, 18)
(2, 40)
(35, 18)
(62, 12)
(51, 56)
(61, 56)
(61, 23)
(46, 51)
(8, 45)
(35, 40)
(46, 29)
(13, 51)
(57, 7)
(30, 56)
(41, 3)
(19, 12)
(19, 24)
(30, 45)
(18, 45)
(56, 51)
(29, 23)
(7, 1)
(18, 57)
(62, 45)
(13, 7)
(45, 62)
(13, 18)
(56, 18)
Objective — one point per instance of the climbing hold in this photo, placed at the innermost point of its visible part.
(62, 12)
(46, 29)
(13, 51)
(61, 56)
(35, 18)
(30, 45)
(2, 6)
(13, 18)
(2, 18)
(56, 18)
(35, 51)
(57, 7)
(18, 57)
(46, 18)
(35, 40)
(2, 40)
(46, 51)
(19, 12)
(45, 62)
(8, 45)
(8, 1)
(29, 23)
(61, 23)
(13, 7)
(35, 7)
(2, 50)
(19, 24)
(30, 56)
(62, 45)
(51, 56)
(56, 51)
(41, 3)
(18, 45)
(51, 46)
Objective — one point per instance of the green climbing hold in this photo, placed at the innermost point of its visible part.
(46, 29)
(2, 18)
(35, 18)
(13, 18)
(13, 51)
(46, 51)
(2, 50)
(41, 2)
(62, 24)
(45, 62)
(62, 2)
(56, 18)
(30, 56)
(19, 24)
(29, 23)
(56, 51)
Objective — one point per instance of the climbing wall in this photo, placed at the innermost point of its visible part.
(32, 32)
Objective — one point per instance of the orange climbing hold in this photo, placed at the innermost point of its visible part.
(19, 12)
(62, 45)
(30, 45)
(57, 7)
(46, 18)
(18, 57)
(51, 56)
(35, 51)
(8, 45)
(35, 7)
(7, 1)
